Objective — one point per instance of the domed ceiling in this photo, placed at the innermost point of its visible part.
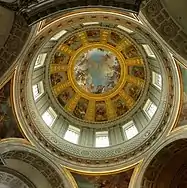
(97, 74)
(95, 78)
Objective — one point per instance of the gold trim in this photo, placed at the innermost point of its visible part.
(4, 82)
(83, 37)
(72, 103)
(175, 126)
(136, 171)
(70, 177)
(135, 80)
(56, 68)
(90, 113)
(123, 45)
(66, 49)
(135, 61)
(21, 140)
(104, 36)
(107, 172)
(129, 101)
(111, 112)
(91, 96)
(13, 108)
(60, 87)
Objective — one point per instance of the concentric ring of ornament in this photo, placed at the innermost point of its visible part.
(116, 156)
(97, 70)
(127, 82)
(88, 95)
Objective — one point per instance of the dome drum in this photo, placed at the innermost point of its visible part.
(86, 87)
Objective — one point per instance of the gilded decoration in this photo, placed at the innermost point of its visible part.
(114, 156)
(97, 75)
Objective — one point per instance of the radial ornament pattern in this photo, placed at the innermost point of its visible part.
(97, 74)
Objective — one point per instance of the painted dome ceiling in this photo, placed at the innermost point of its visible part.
(97, 74)
(94, 87)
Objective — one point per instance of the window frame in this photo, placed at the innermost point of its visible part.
(58, 35)
(155, 77)
(101, 134)
(40, 60)
(52, 114)
(40, 89)
(90, 23)
(128, 126)
(125, 29)
(148, 50)
(147, 106)
(75, 130)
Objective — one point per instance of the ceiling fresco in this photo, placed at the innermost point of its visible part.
(97, 75)
(8, 124)
(183, 115)
(97, 71)
(105, 181)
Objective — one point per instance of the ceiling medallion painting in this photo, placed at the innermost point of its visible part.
(97, 71)
(97, 75)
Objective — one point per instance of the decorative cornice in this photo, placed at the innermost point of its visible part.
(110, 123)
(13, 178)
(70, 154)
(17, 149)
(171, 145)
(159, 18)
(42, 10)
(13, 46)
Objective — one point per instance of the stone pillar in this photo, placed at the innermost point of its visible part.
(60, 126)
(115, 135)
(87, 137)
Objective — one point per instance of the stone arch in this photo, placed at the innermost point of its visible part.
(39, 169)
(165, 167)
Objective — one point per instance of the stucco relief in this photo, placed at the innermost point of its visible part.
(158, 16)
(106, 157)
(13, 45)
